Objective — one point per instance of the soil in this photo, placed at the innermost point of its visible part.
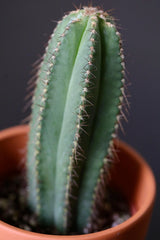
(14, 210)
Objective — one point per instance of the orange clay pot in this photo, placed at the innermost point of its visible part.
(132, 176)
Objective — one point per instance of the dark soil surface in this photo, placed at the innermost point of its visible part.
(14, 210)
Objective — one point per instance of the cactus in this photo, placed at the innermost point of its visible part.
(76, 111)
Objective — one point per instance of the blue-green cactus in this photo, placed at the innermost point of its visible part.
(75, 114)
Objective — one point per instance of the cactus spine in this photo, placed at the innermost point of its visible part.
(75, 115)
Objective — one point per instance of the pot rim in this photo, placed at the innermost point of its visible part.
(12, 131)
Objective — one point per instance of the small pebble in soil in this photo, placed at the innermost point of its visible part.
(14, 210)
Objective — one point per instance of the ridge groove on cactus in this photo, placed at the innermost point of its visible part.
(76, 111)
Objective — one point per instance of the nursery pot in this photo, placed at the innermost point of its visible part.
(131, 176)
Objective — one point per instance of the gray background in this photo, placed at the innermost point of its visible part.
(25, 26)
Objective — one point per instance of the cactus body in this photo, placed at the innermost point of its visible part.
(75, 114)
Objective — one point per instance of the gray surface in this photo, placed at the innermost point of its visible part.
(24, 29)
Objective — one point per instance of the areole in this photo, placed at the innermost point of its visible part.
(137, 174)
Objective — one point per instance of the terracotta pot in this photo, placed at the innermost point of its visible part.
(131, 175)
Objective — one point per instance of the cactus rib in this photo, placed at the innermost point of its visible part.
(77, 125)
(40, 176)
(109, 114)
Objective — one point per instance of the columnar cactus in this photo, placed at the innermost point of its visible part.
(75, 116)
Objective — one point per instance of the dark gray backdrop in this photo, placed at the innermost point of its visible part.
(25, 26)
